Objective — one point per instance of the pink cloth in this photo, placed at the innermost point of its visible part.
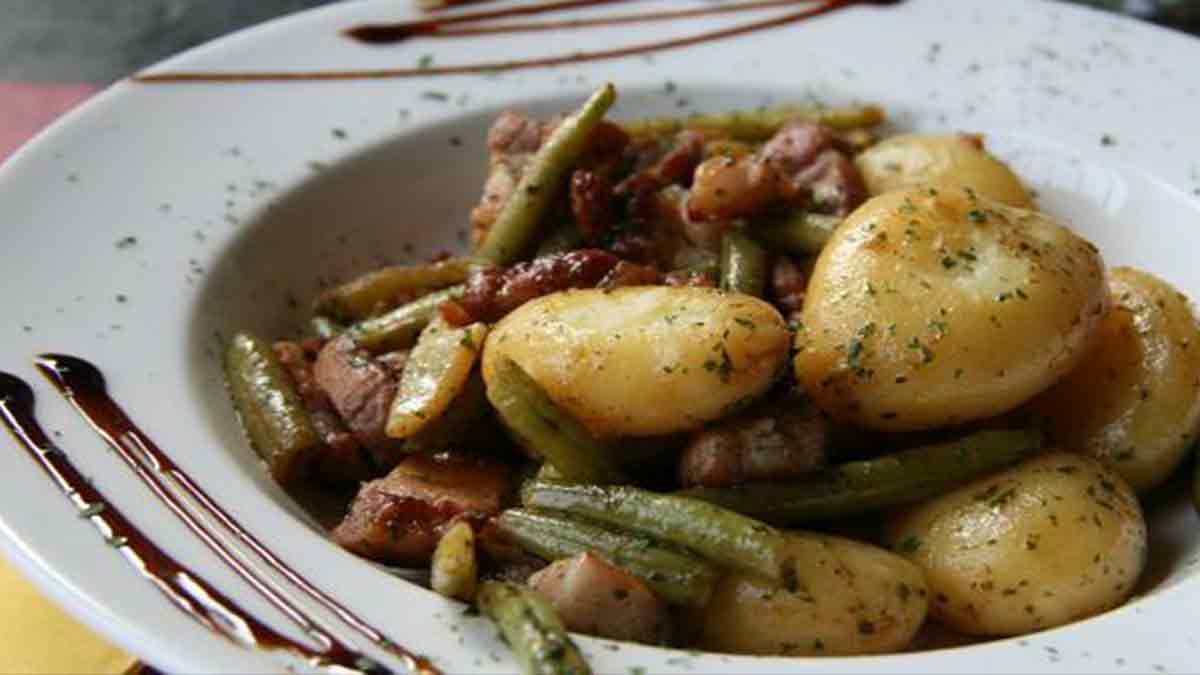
(26, 107)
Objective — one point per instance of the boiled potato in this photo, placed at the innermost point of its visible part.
(941, 161)
(929, 308)
(643, 361)
(1053, 540)
(847, 598)
(1134, 403)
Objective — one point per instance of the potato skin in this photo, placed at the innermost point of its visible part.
(941, 161)
(1053, 540)
(1134, 402)
(930, 308)
(644, 361)
(849, 598)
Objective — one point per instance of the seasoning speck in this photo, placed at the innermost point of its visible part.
(126, 242)
(339, 133)
(122, 298)
(1107, 140)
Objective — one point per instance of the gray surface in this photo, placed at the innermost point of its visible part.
(102, 40)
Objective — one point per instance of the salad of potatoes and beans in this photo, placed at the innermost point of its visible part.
(759, 383)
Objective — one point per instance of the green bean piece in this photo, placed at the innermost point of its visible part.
(758, 125)
(566, 237)
(679, 577)
(532, 629)
(540, 425)
(271, 411)
(697, 261)
(513, 233)
(454, 570)
(726, 538)
(377, 291)
(325, 327)
(899, 478)
(743, 265)
(799, 233)
(399, 328)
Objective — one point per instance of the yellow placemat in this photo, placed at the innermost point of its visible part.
(37, 637)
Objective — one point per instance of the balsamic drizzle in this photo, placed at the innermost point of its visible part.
(184, 588)
(431, 26)
(84, 386)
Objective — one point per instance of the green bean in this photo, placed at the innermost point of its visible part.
(532, 629)
(855, 487)
(272, 413)
(743, 265)
(677, 576)
(325, 327)
(516, 227)
(378, 290)
(799, 233)
(399, 328)
(453, 571)
(543, 427)
(719, 535)
(564, 238)
(697, 261)
(758, 125)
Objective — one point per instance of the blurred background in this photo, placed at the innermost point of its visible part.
(56, 53)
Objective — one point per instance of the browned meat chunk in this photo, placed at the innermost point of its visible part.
(399, 518)
(799, 165)
(591, 204)
(785, 440)
(360, 388)
(491, 292)
(788, 285)
(341, 459)
(630, 274)
(596, 597)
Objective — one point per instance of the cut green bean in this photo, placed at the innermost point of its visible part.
(377, 291)
(532, 630)
(399, 328)
(899, 478)
(677, 576)
(726, 538)
(516, 228)
(758, 125)
(454, 571)
(800, 233)
(697, 261)
(541, 426)
(325, 327)
(743, 265)
(272, 413)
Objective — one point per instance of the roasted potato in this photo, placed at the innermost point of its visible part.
(845, 597)
(1134, 403)
(643, 361)
(941, 161)
(933, 307)
(1055, 539)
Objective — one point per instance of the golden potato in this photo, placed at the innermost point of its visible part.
(1053, 540)
(941, 161)
(644, 361)
(848, 598)
(929, 308)
(1134, 402)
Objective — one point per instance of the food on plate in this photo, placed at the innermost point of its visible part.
(936, 306)
(1136, 405)
(1054, 539)
(676, 340)
(946, 161)
(840, 597)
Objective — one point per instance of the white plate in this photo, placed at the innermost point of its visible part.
(222, 188)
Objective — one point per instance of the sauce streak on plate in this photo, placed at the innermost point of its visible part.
(430, 28)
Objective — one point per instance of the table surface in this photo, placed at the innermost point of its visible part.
(54, 54)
